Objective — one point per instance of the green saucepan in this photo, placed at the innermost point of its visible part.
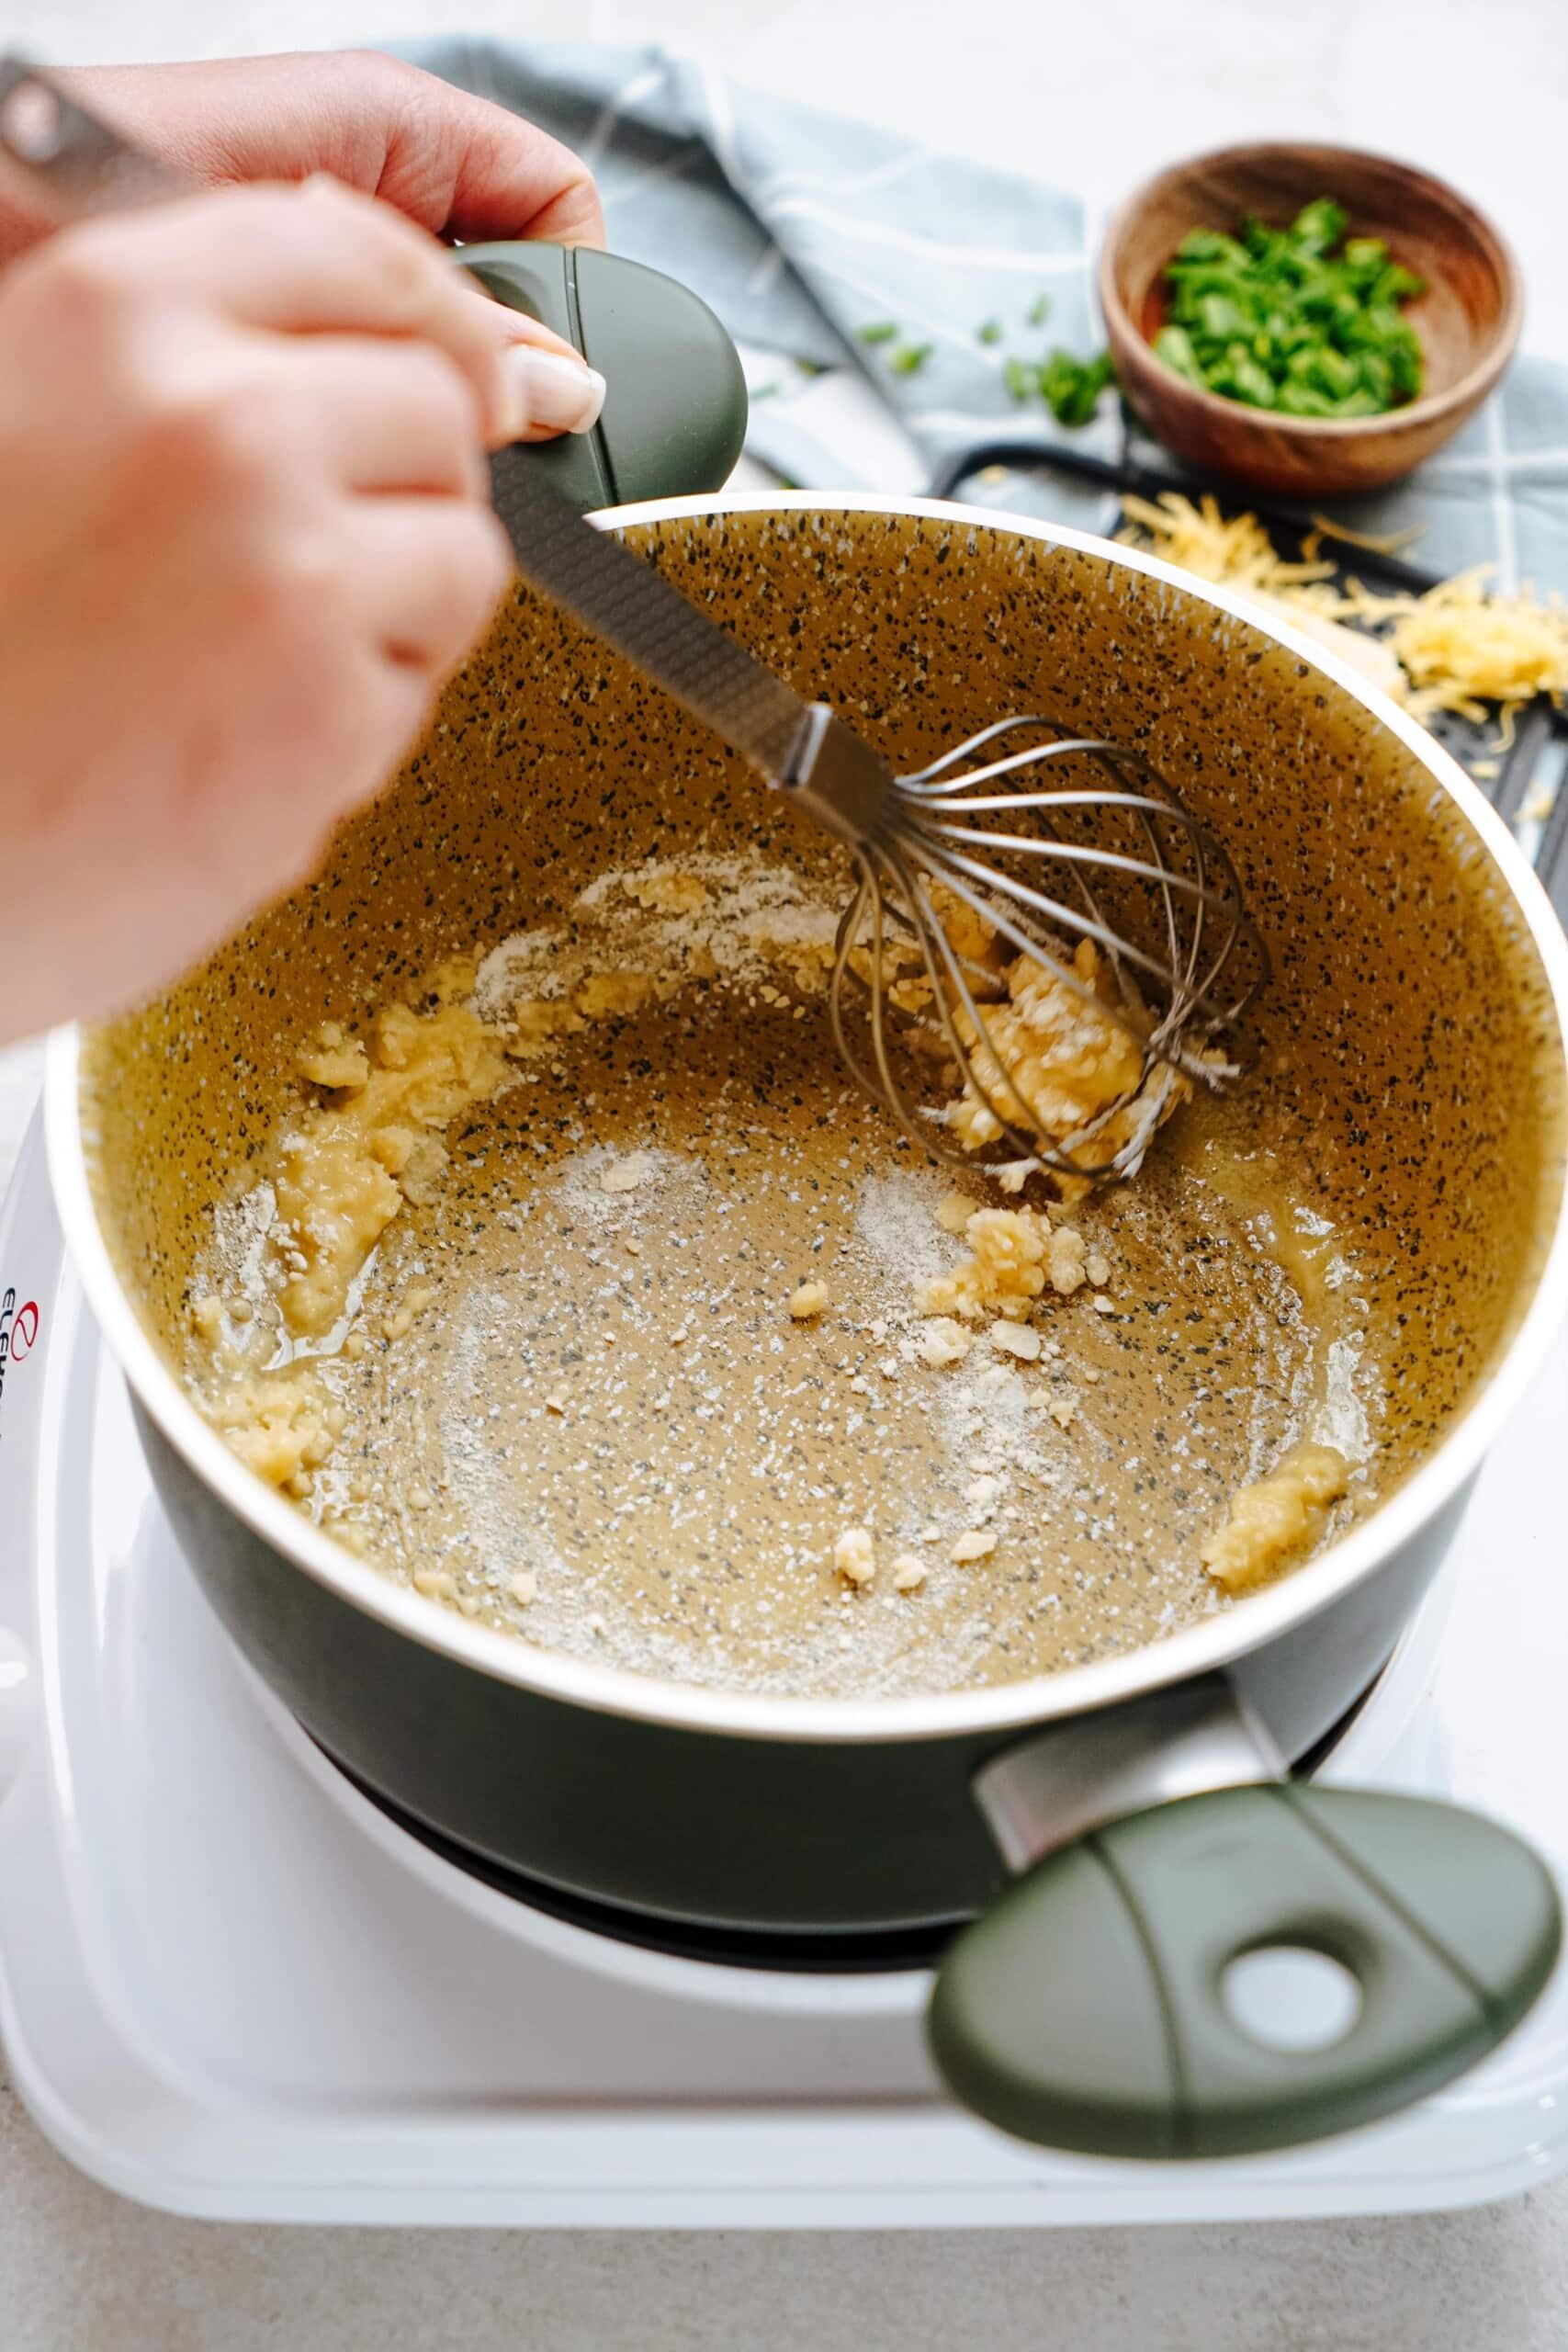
(1084, 1846)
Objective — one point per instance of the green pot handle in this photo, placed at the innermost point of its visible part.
(1087, 2009)
(674, 416)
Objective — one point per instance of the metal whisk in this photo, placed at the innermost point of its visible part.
(1034, 829)
(1048, 837)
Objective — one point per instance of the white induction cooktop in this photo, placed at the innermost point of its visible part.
(231, 1987)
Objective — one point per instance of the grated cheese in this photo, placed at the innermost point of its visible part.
(1235, 551)
(1462, 649)
(1457, 647)
(1374, 542)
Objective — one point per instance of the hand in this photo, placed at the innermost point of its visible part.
(243, 535)
(456, 164)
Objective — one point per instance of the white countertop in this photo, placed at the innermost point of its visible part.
(1091, 95)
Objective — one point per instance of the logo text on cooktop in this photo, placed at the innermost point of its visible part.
(19, 1333)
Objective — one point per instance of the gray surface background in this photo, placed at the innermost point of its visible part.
(1091, 96)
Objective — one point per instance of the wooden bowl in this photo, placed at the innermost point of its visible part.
(1468, 319)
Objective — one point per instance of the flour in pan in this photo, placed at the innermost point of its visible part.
(686, 920)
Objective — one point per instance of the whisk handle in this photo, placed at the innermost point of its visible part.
(624, 601)
(820, 764)
(836, 777)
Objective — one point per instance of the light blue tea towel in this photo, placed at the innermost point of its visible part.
(801, 227)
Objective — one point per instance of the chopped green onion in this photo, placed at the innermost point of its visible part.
(1318, 228)
(1174, 346)
(1397, 285)
(1071, 387)
(1303, 319)
(988, 331)
(1021, 377)
(879, 330)
(910, 358)
(1039, 310)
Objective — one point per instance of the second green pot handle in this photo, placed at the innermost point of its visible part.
(1087, 2010)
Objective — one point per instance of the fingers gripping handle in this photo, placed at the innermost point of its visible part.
(1088, 2009)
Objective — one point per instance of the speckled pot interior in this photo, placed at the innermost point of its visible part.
(1411, 1052)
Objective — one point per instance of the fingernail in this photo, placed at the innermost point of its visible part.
(546, 389)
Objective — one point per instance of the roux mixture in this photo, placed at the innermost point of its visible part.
(586, 1294)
